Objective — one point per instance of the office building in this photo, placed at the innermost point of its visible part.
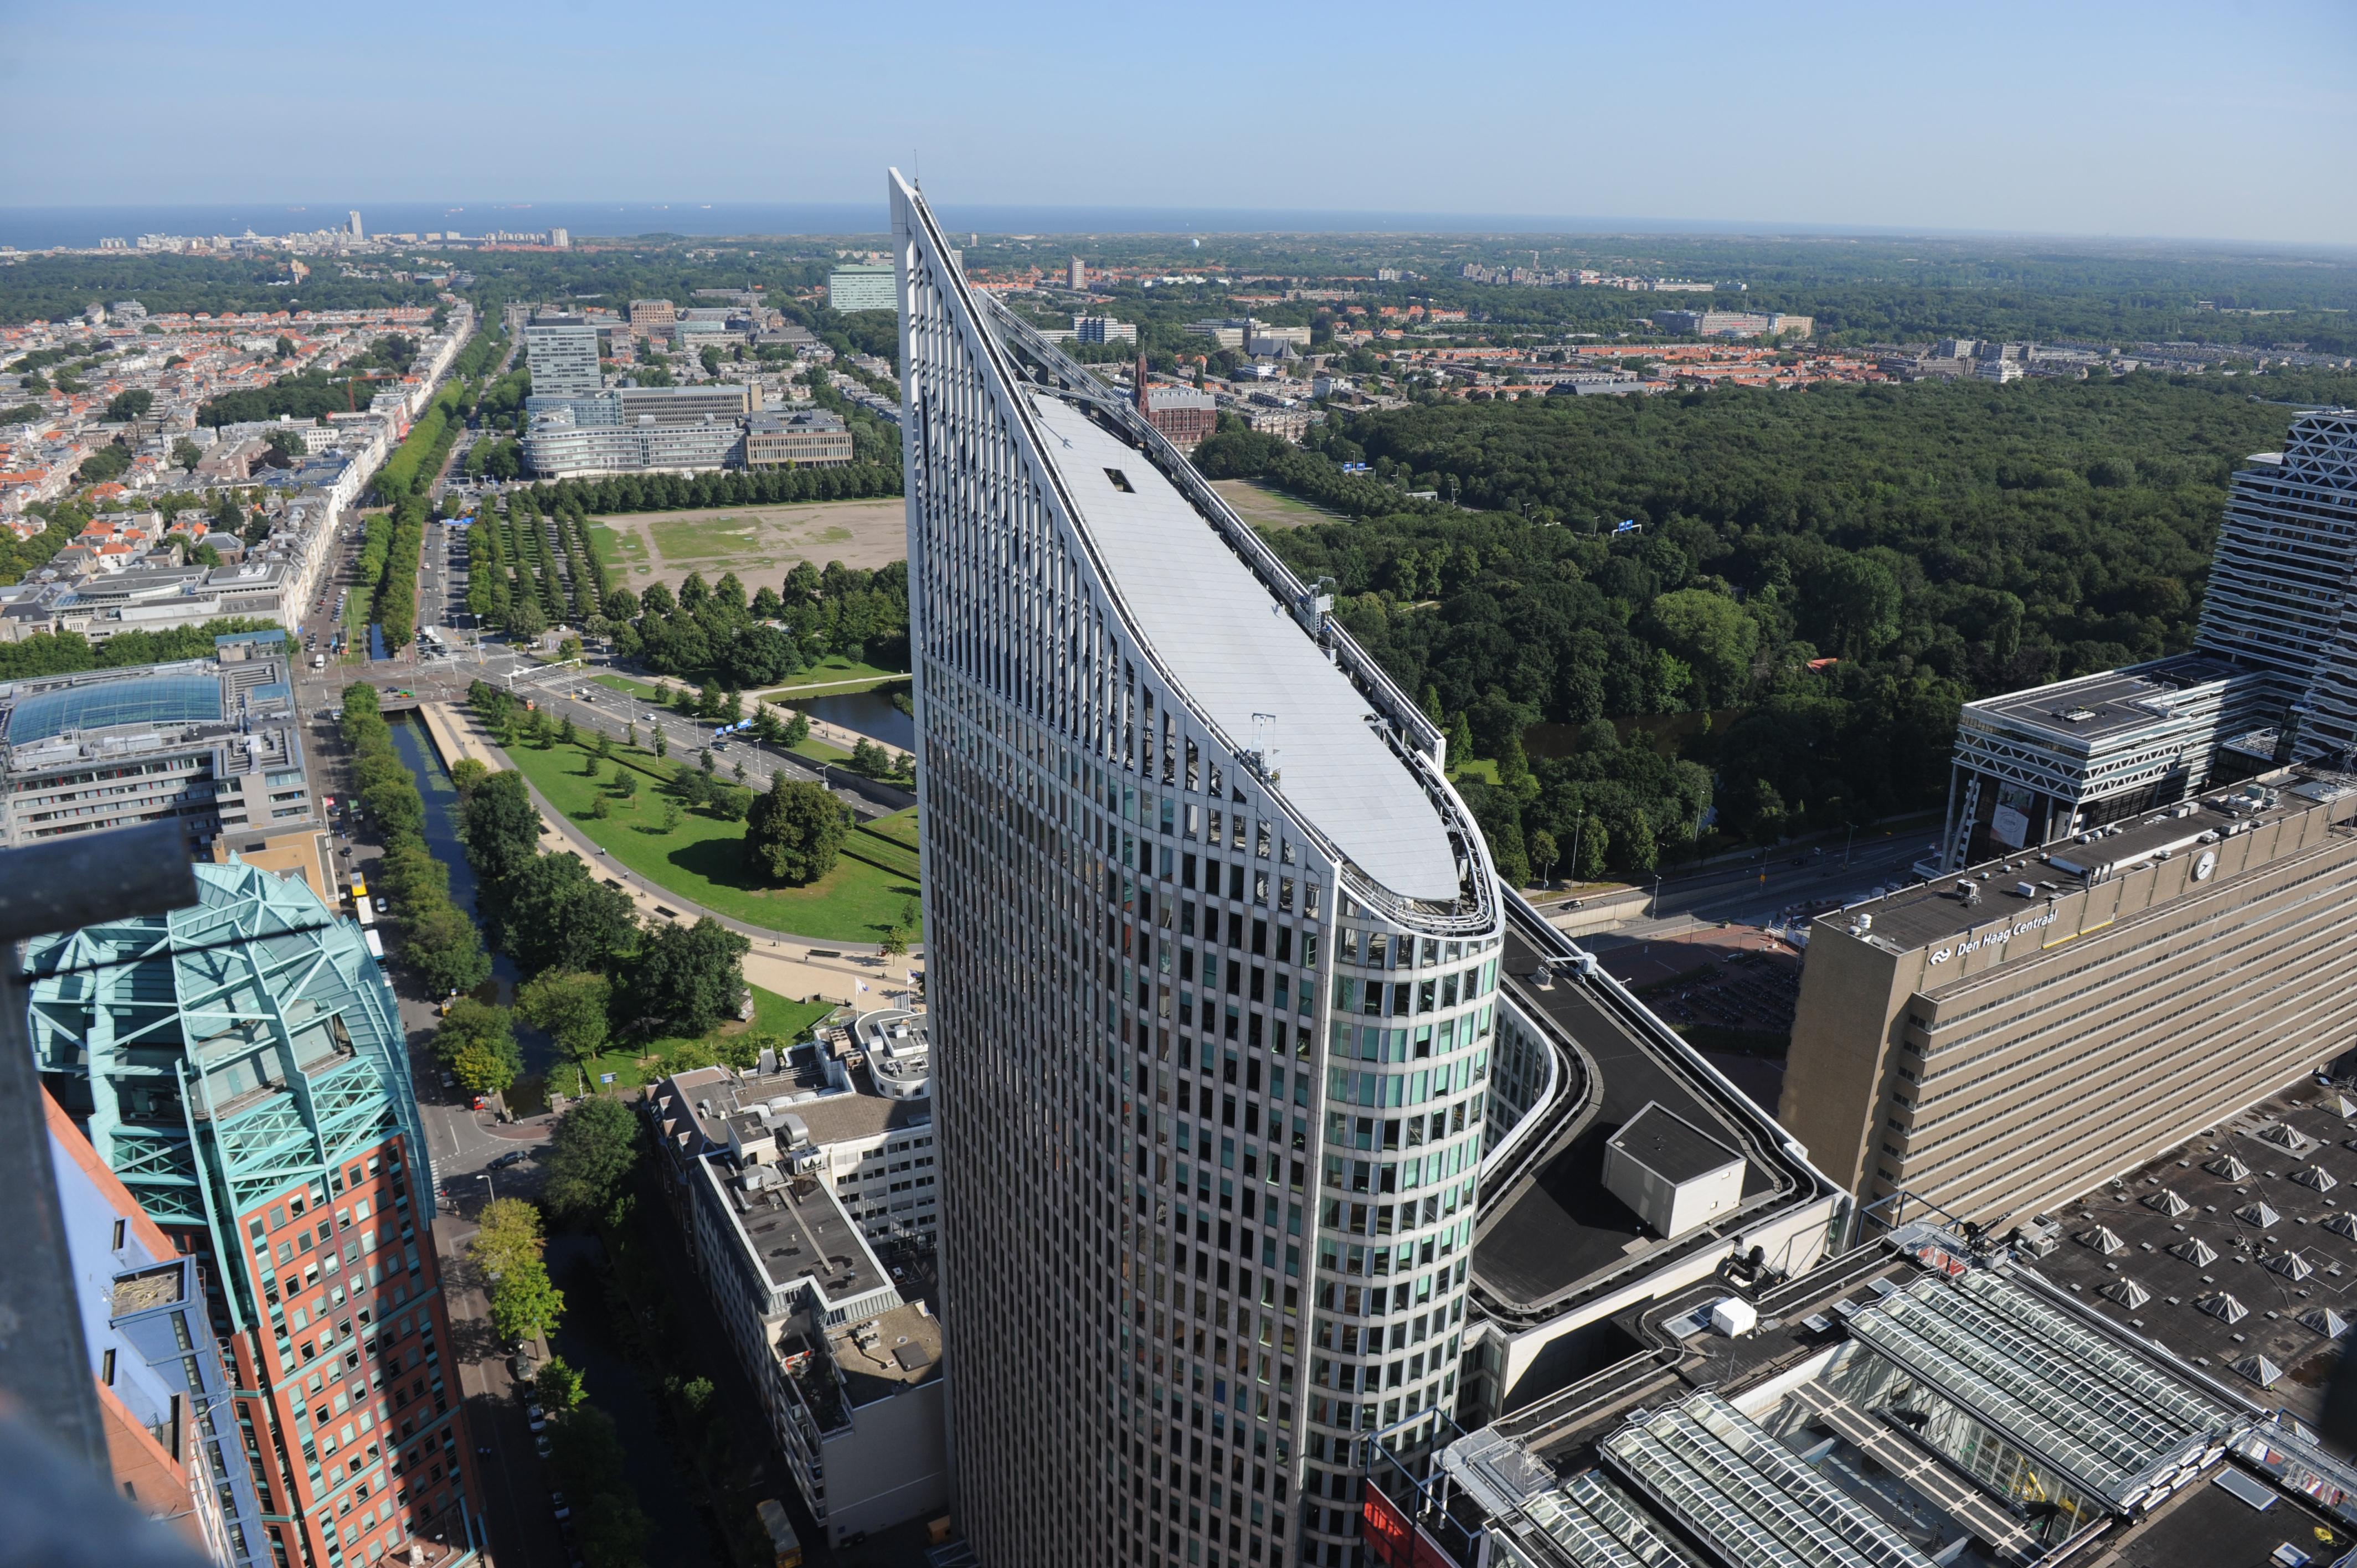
(1916, 1404)
(1733, 323)
(214, 742)
(861, 288)
(2280, 596)
(172, 1428)
(561, 351)
(240, 1067)
(1999, 370)
(808, 439)
(2272, 676)
(1206, 1210)
(793, 1184)
(558, 446)
(353, 222)
(1103, 330)
(629, 404)
(646, 313)
(2003, 1040)
(560, 239)
(1077, 278)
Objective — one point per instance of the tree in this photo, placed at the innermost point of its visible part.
(795, 831)
(630, 733)
(1544, 852)
(870, 758)
(895, 943)
(600, 806)
(477, 1042)
(525, 1304)
(446, 949)
(126, 406)
(692, 975)
(558, 1386)
(501, 827)
(1713, 635)
(1460, 739)
(556, 914)
(798, 727)
(663, 746)
(525, 621)
(187, 454)
(1594, 840)
(467, 774)
(566, 734)
(509, 1237)
(589, 1154)
(571, 1005)
(672, 816)
(287, 443)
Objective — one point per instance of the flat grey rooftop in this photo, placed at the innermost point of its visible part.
(1237, 651)
(1671, 1146)
(797, 1231)
(1914, 917)
(1563, 1231)
(2116, 702)
(2274, 1302)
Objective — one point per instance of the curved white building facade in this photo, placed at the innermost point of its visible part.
(1213, 954)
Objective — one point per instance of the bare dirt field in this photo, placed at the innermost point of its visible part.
(759, 543)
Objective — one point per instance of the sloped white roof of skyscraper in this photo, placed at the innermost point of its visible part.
(1236, 652)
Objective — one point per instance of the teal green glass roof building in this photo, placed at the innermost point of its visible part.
(220, 1054)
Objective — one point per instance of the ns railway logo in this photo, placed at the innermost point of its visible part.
(1997, 938)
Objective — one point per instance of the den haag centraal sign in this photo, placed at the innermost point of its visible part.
(1991, 939)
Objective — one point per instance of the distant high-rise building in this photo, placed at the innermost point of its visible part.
(2272, 675)
(562, 239)
(1213, 953)
(241, 1069)
(353, 220)
(561, 351)
(1080, 275)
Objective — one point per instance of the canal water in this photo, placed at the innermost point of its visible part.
(870, 713)
(409, 739)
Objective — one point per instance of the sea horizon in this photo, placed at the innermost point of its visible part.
(33, 228)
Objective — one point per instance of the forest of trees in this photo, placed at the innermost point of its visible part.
(1828, 573)
(715, 634)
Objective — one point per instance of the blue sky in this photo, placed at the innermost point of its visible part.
(2229, 120)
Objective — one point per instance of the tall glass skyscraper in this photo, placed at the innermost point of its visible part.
(1214, 956)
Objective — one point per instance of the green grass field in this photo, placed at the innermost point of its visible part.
(638, 689)
(684, 538)
(642, 1062)
(836, 674)
(356, 624)
(616, 546)
(701, 859)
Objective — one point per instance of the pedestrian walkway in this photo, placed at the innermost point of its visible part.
(780, 963)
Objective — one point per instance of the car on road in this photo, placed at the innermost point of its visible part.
(533, 1413)
(522, 1368)
(512, 1157)
(449, 1079)
(556, 1505)
(381, 907)
(539, 1445)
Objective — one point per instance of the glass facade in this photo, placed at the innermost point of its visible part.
(1214, 1092)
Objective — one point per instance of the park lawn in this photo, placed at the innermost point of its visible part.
(684, 538)
(356, 625)
(623, 683)
(900, 827)
(1265, 506)
(702, 859)
(1482, 767)
(836, 673)
(616, 546)
(642, 1062)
